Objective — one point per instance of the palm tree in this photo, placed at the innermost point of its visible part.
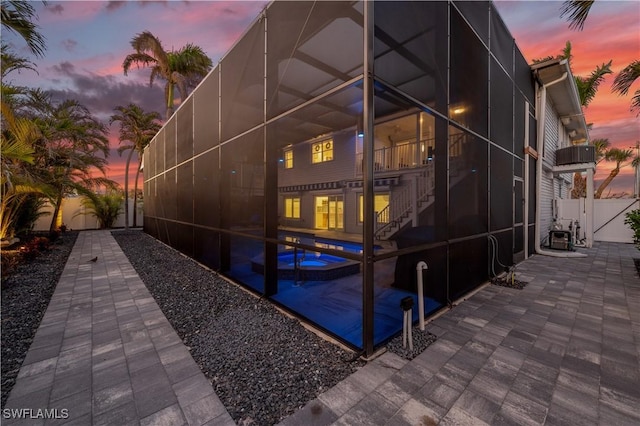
(16, 144)
(73, 147)
(587, 89)
(104, 207)
(578, 11)
(619, 156)
(625, 79)
(16, 17)
(587, 86)
(137, 128)
(177, 68)
(636, 165)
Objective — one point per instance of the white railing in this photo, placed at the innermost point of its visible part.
(404, 200)
(399, 157)
(412, 196)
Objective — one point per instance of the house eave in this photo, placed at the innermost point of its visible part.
(564, 96)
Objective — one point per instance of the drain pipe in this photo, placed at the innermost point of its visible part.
(419, 268)
(540, 147)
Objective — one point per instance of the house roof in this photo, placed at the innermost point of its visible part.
(564, 96)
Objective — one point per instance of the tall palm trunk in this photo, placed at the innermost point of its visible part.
(135, 194)
(126, 190)
(169, 111)
(606, 182)
(56, 211)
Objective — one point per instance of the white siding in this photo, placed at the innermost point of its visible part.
(548, 187)
(551, 136)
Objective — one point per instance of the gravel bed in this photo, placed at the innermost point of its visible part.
(263, 364)
(421, 340)
(26, 292)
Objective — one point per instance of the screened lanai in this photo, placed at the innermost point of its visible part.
(339, 144)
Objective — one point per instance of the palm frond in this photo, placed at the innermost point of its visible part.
(587, 87)
(618, 155)
(12, 62)
(577, 12)
(139, 59)
(16, 17)
(146, 42)
(626, 78)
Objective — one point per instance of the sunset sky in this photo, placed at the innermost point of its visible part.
(88, 40)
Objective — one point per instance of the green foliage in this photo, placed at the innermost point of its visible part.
(30, 211)
(181, 69)
(105, 207)
(632, 219)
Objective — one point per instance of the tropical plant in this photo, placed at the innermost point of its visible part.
(587, 89)
(587, 86)
(72, 149)
(17, 16)
(619, 156)
(632, 219)
(577, 12)
(625, 79)
(16, 144)
(177, 68)
(137, 128)
(105, 207)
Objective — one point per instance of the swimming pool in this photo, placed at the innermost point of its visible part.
(312, 240)
(309, 266)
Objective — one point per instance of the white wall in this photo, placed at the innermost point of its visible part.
(609, 215)
(73, 215)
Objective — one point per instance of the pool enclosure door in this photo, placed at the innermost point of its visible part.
(329, 212)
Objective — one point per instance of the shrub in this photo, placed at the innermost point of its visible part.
(105, 207)
(632, 219)
(34, 246)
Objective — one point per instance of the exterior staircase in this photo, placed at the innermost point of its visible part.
(416, 195)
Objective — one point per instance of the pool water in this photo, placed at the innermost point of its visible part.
(309, 259)
(313, 267)
(346, 246)
(305, 263)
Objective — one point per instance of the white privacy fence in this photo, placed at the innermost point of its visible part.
(75, 216)
(608, 217)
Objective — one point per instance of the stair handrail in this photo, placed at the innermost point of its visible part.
(401, 204)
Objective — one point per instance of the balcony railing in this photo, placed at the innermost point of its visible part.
(399, 157)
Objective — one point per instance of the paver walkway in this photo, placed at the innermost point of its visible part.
(563, 351)
(105, 354)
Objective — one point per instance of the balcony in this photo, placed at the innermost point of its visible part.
(399, 157)
(576, 154)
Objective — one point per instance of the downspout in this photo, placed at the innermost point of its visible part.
(542, 98)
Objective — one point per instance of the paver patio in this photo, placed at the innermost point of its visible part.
(565, 350)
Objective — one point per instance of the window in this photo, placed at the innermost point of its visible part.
(288, 159)
(322, 151)
(380, 203)
(292, 208)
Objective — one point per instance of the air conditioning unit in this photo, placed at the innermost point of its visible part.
(576, 154)
(560, 240)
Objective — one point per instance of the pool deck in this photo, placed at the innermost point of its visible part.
(565, 350)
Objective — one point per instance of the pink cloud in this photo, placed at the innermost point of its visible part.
(60, 11)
